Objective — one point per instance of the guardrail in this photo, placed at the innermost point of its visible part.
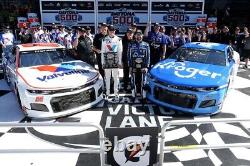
(202, 121)
(65, 150)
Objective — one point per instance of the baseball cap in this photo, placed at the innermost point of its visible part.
(88, 28)
(139, 32)
(133, 25)
(129, 30)
(111, 28)
(156, 24)
(82, 30)
(104, 24)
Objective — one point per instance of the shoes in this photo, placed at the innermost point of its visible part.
(116, 99)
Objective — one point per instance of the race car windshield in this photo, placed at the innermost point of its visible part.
(207, 56)
(43, 57)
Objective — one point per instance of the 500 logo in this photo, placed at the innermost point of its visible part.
(68, 17)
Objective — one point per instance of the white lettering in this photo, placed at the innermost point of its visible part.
(128, 121)
(204, 73)
(179, 68)
(135, 112)
(215, 74)
(114, 112)
(108, 121)
(144, 122)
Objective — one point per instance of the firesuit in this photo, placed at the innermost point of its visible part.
(111, 58)
(139, 62)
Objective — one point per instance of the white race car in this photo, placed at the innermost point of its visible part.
(48, 83)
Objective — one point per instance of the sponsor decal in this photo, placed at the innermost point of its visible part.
(122, 18)
(176, 17)
(131, 146)
(112, 48)
(68, 17)
(180, 70)
(59, 71)
(39, 99)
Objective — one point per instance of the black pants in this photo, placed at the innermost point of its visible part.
(126, 80)
(99, 63)
(137, 78)
(154, 56)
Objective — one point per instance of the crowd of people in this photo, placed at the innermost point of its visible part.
(135, 52)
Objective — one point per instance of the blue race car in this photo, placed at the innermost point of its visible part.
(194, 79)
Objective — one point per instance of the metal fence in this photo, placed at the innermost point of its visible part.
(64, 150)
(185, 147)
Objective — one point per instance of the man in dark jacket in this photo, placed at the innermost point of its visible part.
(83, 45)
(126, 40)
(97, 44)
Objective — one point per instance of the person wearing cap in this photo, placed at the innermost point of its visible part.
(126, 40)
(157, 42)
(133, 27)
(44, 37)
(7, 44)
(139, 63)
(238, 40)
(88, 31)
(61, 35)
(68, 42)
(97, 44)
(111, 58)
(167, 39)
(54, 33)
(7, 37)
(25, 36)
(225, 36)
(83, 46)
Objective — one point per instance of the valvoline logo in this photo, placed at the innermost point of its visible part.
(59, 71)
(112, 48)
(54, 69)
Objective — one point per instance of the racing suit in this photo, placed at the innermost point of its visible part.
(111, 58)
(139, 62)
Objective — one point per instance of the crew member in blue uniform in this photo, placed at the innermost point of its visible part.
(139, 62)
(157, 42)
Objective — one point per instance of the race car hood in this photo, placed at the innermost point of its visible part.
(58, 76)
(190, 73)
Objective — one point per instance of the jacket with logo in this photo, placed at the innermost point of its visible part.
(111, 52)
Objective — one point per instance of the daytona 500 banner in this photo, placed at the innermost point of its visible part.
(122, 13)
(177, 13)
(68, 13)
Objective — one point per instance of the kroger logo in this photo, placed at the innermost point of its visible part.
(180, 70)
